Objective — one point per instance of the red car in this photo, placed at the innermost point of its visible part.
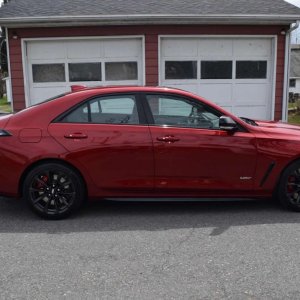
(142, 142)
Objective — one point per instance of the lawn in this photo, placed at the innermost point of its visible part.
(294, 118)
(4, 106)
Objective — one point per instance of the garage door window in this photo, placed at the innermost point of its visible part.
(216, 69)
(181, 69)
(84, 72)
(251, 69)
(121, 71)
(48, 73)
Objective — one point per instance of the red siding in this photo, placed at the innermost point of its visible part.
(151, 34)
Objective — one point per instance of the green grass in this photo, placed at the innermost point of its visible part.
(294, 118)
(4, 106)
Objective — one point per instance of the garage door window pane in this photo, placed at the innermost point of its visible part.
(181, 69)
(85, 72)
(216, 69)
(121, 71)
(251, 69)
(48, 73)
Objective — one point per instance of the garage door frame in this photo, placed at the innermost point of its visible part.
(273, 39)
(24, 42)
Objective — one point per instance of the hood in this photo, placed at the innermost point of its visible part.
(4, 119)
(279, 125)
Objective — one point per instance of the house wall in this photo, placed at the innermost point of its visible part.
(295, 89)
(151, 34)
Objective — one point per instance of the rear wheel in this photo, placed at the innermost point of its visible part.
(289, 187)
(53, 190)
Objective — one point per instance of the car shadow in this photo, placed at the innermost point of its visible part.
(15, 217)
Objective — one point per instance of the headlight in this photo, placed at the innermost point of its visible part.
(4, 133)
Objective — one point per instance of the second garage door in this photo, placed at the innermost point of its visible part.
(54, 65)
(237, 74)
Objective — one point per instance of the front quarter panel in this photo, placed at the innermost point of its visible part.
(276, 150)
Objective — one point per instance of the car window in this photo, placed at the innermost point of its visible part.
(180, 112)
(105, 110)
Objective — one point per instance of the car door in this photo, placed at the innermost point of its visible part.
(192, 154)
(107, 135)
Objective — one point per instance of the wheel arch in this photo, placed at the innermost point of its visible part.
(294, 160)
(45, 161)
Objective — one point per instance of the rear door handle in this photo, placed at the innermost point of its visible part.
(168, 139)
(76, 135)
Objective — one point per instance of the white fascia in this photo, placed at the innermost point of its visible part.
(56, 21)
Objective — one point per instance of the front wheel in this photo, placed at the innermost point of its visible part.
(289, 187)
(53, 190)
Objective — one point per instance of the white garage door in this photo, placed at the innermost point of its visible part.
(235, 73)
(54, 65)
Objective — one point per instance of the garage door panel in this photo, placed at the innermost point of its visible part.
(187, 87)
(39, 93)
(252, 47)
(122, 48)
(180, 47)
(84, 49)
(49, 50)
(221, 94)
(210, 47)
(252, 112)
(251, 94)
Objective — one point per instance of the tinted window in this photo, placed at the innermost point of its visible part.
(292, 82)
(121, 71)
(179, 112)
(216, 69)
(181, 69)
(251, 69)
(106, 110)
(48, 73)
(85, 72)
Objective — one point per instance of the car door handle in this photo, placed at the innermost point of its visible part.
(168, 139)
(76, 135)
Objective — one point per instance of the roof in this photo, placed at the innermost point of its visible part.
(32, 12)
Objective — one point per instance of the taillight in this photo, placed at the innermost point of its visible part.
(4, 133)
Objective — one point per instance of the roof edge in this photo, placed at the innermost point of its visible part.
(57, 21)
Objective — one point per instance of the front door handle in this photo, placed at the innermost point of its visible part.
(76, 135)
(168, 139)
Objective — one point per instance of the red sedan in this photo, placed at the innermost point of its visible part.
(142, 142)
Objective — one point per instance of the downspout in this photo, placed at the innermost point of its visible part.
(9, 70)
(287, 62)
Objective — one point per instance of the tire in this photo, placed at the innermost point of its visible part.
(289, 187)
(53, 190)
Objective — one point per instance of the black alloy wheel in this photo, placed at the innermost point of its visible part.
(53, 190)
(289, 187)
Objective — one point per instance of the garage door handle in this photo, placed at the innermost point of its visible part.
(76, 135)
(168, 139)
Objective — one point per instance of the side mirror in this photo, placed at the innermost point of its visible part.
(226, 123)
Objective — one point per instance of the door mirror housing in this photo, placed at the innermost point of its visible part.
(226, 123)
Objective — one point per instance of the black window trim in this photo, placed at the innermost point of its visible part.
(138, 101)
(150, 118)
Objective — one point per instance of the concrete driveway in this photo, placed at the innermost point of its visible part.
(111, 250)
